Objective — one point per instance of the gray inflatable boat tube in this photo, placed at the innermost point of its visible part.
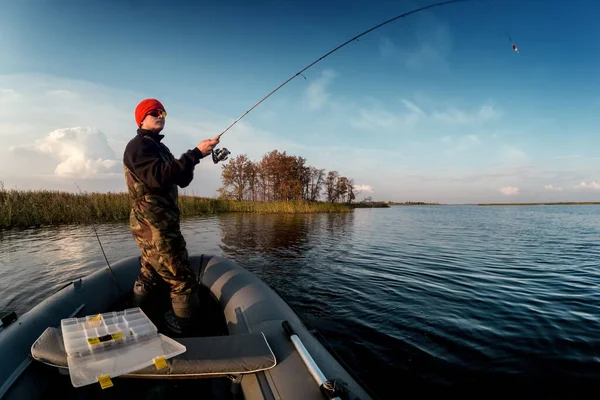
(249, 305)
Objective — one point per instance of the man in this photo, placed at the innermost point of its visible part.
(152, 175)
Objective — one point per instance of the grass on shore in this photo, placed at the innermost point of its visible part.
(43, 207)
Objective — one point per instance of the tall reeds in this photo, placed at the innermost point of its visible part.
(20, 208)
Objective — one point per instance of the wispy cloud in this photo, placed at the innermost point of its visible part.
(316, 94)
(387, 48)
(592, 185)
(567, 157)
(430, 48)
(379, 117)
(411, 115)
(464, 143)
(412, 107)
(553, 188)
(363, 188)
(510, 191)
(530, 176)
(456, 116)
(512, 155)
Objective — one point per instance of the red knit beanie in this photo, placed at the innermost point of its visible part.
(144, 107)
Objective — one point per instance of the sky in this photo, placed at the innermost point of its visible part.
(434, 107)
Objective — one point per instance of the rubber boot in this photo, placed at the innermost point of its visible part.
(177, 325)
(180, 319)
(140, 294)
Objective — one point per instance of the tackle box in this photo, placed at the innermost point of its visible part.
(103, 346)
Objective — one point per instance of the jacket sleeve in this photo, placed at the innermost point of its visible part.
(145, 162)
(187, 174)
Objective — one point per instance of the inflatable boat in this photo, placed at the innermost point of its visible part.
(249, 343)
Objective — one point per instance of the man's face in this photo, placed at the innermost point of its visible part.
(154, 120)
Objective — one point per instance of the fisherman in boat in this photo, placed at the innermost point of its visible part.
(152, 175)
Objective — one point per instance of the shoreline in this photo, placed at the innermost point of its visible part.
(23, 209)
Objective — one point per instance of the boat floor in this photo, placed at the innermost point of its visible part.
(209, 322)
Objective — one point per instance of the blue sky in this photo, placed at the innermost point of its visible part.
(432, 107)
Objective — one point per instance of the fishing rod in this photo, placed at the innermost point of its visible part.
(102, 249)
(217, 153)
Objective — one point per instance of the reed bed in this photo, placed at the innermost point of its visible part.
(20, 208)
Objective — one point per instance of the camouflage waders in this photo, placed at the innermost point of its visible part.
(164, 255)
(152, 175)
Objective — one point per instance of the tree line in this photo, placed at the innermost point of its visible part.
(282, 177)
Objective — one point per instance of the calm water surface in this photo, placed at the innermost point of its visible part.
(459, 298)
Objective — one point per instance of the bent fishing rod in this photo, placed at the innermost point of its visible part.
(217, 155)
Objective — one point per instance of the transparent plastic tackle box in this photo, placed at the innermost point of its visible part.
(107, 345)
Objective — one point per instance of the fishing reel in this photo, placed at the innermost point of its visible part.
(220, 154)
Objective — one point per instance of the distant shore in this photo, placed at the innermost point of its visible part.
(375, 204)
(413, 203)
(22, 209)
(565, 203)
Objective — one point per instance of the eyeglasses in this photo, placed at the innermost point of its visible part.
(157, 113)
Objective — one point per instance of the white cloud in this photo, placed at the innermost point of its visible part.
(363, 188)
(510, 191)
(412, 107)
(410, 115)
(465, 143)
(592, 185)
(512, 155)
(387, 48)
(430, 48)
(567, 157)
(552, 188)
(80, 151)
(460, 117)
(376, 118)
(316, 93)
(380, 117)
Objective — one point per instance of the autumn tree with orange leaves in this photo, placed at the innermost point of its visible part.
(282, 177)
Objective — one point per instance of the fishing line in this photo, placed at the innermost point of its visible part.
(337, 48)
(102, 248)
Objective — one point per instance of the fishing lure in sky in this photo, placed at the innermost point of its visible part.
(514, 46)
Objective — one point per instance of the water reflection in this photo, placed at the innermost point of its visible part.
(36, 262)
(282, 236)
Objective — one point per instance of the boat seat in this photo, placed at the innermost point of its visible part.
(205, 357)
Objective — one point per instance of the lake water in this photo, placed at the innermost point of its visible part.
(464, 299)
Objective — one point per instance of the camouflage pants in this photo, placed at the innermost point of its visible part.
(164, 257)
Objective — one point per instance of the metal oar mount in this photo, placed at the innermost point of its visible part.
(328, 388)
